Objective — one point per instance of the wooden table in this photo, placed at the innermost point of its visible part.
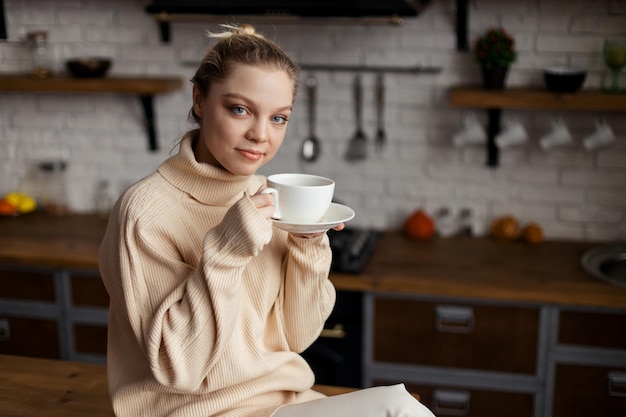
(33, 387)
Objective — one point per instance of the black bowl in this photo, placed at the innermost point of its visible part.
(88, 67)
(564, 79)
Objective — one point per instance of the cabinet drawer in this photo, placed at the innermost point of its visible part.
(29, 337)
(484, 337)
(88, 291)
(26, 285)
(589, 391)
(450, 401)
(592, 329)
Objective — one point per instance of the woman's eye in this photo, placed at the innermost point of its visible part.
(238, 110)
(280, 119)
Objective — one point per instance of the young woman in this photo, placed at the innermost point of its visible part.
(210, 305)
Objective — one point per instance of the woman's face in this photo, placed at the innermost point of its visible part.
(243, 118)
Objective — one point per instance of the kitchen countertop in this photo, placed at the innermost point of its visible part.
(479, 268)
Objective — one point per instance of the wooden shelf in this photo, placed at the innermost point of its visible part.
(144, 87)
(537, 99)
(494, 101)
(128, 85)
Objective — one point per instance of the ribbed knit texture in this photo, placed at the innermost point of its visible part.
(210, 304)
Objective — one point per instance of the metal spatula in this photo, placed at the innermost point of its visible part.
(357, 147)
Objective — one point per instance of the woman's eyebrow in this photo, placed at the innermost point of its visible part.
(247, 100)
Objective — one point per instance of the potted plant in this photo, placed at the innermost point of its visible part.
(495, 52)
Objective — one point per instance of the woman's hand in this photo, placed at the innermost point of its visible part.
(312, 235)
(264, 203)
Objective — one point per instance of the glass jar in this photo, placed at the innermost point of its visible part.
(41, 59)
(104, 199)
(53, 187)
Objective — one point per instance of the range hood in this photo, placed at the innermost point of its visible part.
(286, 11)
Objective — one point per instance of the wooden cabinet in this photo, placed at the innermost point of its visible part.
(463, 358)
(467, 336)
(589, 370)
(53, 313)
(489, 358)
(29, 316)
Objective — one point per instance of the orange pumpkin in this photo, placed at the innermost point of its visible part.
(532, 233)
(505, 229)
(419, 226)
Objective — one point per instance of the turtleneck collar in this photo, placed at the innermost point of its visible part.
(206, 183)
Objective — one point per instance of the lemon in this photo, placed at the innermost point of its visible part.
(22, 202)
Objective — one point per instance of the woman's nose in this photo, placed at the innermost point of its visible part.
(258, 131)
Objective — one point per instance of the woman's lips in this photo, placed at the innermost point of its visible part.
(250, 154)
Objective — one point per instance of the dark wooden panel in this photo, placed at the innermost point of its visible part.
(26, 285)
(593, 329)
(502, 339)
(88, 291)
(31, 337)
(584, 391)
(89, 338)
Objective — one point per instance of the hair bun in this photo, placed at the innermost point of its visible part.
(244, 29)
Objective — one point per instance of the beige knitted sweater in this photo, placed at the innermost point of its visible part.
(210, 304)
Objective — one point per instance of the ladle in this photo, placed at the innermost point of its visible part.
(311, 145)
(381, 137)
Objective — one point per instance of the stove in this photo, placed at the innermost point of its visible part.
(352, 248)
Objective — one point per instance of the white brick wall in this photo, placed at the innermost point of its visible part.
(574, 194)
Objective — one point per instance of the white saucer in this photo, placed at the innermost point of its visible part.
(336, 214)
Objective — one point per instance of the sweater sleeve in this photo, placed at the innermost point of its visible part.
(309, 295)
(183, 317)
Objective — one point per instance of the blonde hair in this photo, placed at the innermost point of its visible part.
(241, 44)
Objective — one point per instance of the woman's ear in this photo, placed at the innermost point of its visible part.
(197, 102)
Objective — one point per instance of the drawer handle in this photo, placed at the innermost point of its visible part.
(617, 384)
(336, 332)
(454, 319)
(451, 403)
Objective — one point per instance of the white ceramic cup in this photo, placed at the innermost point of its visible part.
(472, 132)
(602, 136)
(300, 198)
(558, 136)
(513, 134)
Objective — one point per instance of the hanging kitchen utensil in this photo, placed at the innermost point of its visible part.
(357, 147)
(381, 138)
(311, 145)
